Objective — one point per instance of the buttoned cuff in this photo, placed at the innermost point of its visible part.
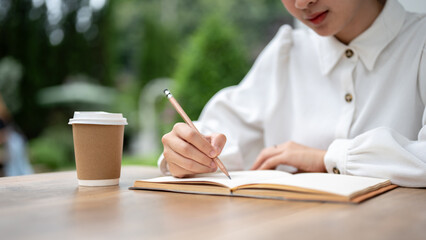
(163, 165)
(336, 156)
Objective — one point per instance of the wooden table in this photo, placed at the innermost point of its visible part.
(52, 206)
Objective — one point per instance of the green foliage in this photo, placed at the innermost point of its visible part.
(45, 156)
(129, 160)
(53, 150)
(158, 53)
(215, 59)
(127, 102)
(25, 37)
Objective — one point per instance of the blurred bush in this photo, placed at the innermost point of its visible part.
(215, 58)
(159, 48)
(53, 149)
(52, 40)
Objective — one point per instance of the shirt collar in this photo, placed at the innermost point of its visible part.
(369, 44)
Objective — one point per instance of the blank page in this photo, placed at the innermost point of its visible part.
(344, 185)
(238, 178)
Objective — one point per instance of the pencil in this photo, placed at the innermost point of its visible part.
(189, 122)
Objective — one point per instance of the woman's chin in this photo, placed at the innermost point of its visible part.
(322, 31)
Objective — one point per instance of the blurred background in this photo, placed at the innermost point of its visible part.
(61, 56)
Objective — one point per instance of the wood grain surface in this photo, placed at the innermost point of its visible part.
(53, 206)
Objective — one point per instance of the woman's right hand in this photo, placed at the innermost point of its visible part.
(187, 152)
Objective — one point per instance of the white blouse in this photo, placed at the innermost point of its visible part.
(364, 102)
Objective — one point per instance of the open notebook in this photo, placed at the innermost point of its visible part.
(274, 184)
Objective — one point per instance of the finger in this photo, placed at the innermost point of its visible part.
(186, 163)
(265, 155)
(218, 142)
(272, 163)
(192, 136)
(179, 172)
(187, 150)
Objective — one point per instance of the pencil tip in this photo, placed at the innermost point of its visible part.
(229, 177)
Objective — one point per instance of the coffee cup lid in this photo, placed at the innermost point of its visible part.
(101, 118)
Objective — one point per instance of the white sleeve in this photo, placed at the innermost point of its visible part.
(384, 153)
(238, 111)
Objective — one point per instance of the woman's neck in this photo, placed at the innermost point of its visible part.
(368, 14)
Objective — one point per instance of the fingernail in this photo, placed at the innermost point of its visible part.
(212, 164)
(213, 153)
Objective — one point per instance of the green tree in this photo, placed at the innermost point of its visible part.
(215, 58)
(25, 36)
(158, 51)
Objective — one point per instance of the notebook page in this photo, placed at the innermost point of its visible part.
(238, 177)
(344, 185)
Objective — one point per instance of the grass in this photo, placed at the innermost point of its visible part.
(129, 160)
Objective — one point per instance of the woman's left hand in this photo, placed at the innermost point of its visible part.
(304, 158)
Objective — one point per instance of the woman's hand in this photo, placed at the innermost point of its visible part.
(187, 152)
(304, 158)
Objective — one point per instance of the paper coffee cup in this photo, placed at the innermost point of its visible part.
(98, 147)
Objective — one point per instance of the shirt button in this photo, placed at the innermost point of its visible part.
(336, 170)
(349, 53)
(348, 97)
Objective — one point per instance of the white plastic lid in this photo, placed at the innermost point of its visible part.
(101, 118)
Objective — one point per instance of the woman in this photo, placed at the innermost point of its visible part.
(347, 98)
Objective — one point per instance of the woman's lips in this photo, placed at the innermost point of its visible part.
(317, 18)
